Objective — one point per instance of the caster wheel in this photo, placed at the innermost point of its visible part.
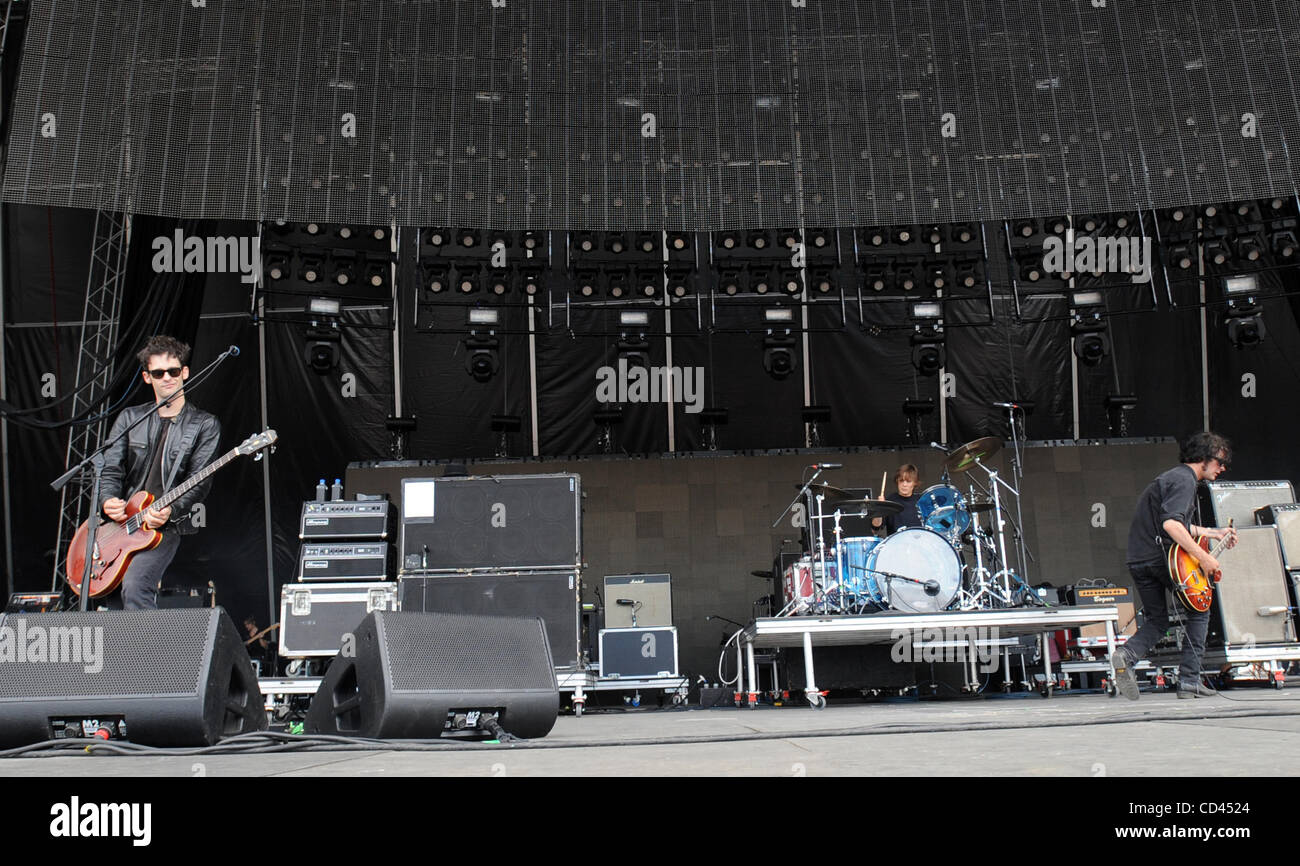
(1110, 690)
(577, 710)
(817, 702)
(677, 700)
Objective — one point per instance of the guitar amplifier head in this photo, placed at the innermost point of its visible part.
(1237, 501)
(1287, 520)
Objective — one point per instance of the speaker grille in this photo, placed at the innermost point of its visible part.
(1253, 577)
(126, 639)
(456, 653)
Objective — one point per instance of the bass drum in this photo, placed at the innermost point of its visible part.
(917, 570)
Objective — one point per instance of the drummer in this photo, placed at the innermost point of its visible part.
(905, 480)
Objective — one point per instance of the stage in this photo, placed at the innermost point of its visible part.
(1245, 732)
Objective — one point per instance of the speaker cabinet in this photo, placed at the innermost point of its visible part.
(1253, 579)
(157, 677)
(553, 596)
(419, 675)
(1237, 501)
(1287, 520)
(653, 591)
(520, 522)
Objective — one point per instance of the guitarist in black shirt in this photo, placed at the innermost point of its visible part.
(1164, 518)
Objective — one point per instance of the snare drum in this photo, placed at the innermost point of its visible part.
(943, 510)
(800, 583)
(917, 571)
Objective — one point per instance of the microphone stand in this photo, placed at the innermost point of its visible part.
(96, 461)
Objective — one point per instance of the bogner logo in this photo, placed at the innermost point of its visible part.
(649, 647)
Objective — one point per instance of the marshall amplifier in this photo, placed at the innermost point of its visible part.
(651, 596)
(551, 595)
(338, 560)
(1222, 501)
(1287, 520)
(349, 519)
(516, 522)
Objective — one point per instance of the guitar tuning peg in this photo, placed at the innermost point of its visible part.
(258, 456)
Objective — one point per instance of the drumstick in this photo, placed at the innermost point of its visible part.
(884, 476)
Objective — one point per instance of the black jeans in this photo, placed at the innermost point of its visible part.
(140, 586)
(1152, 581)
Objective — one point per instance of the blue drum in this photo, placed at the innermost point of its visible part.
(943, 510)
(856, 577)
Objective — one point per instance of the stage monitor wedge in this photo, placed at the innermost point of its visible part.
(426, 675)
(156, 677)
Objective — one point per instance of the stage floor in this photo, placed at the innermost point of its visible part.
(1248, 732)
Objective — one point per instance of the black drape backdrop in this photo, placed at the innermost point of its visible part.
(327, 420)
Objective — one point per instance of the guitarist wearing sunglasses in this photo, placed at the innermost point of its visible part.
(1163, 519)
(179, 441)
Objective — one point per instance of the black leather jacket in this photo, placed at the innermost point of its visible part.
(189, 449)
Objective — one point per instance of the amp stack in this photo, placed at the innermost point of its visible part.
(508, 545)
(344, 572)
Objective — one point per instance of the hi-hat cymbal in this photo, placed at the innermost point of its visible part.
(977, 506)
(963, 457)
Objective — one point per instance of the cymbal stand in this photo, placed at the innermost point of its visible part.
(1017, 475)
(980, 577)
(1003, 593)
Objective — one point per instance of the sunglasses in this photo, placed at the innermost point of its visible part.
(174, 372)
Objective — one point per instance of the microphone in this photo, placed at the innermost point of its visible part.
(932, 587)
(938, 447)
(1006, 405)
(625, 602)
(828, 466)
(233, 351)
(1271, 611)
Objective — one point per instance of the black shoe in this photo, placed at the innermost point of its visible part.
(1200, 690)
(1125, 677)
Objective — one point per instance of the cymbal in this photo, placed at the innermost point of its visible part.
(762, 573)
(868, 507)
(963, 457)
(827, 491)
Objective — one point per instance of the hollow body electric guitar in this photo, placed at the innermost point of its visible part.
(117, 543)
(1194, 587)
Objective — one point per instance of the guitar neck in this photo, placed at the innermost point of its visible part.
(196, 479)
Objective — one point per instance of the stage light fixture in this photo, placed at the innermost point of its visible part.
(1246, 328)
(778, 355)
(1276, 204)
(1083, 300)
(615, 243)
(928, 353)
(1031, 271)
(1211, 210)
(877, 277)
(648, 282)
(312, 228)
(323, 306)
(481, 359)
(323, 348)
(1216, 251)
(725, 241)
(819, 239)
(789, 238)
(379, 233)
(905, 277)
(933, 237)
(778, 315)
(532, 241)
(435, 278)
(1024, 228)
(484, 316)
(1117, 405)
(438, 237)
(903, 235)
(584, 242)
(963, 233)
(823, 280)
(377, 271)
(277, 265)
(532, 281)
(500, 282)
(1091, 342)
(758, 240)
(876, 237)
(1283, 242)
(761, 281)
(968, 273)
(679, 282)
(467, 278)
(585, 281)
(634, 319)
(729, 281)
(926, 311)
(791, 284)
(679, 241)
(711, 418)
(345, 232)
(1178, 214)
(310, 269)
(1250, 246)
(616, 283)
(345, 268)
(1182, 256)
(468, 238)
(634, 349)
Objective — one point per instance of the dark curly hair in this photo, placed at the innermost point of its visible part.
(163, 345)
(1199, 447)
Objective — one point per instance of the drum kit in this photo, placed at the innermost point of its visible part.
(951, 562)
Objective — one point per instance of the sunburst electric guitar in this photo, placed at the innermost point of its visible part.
(117, 543)
(1195, 588)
